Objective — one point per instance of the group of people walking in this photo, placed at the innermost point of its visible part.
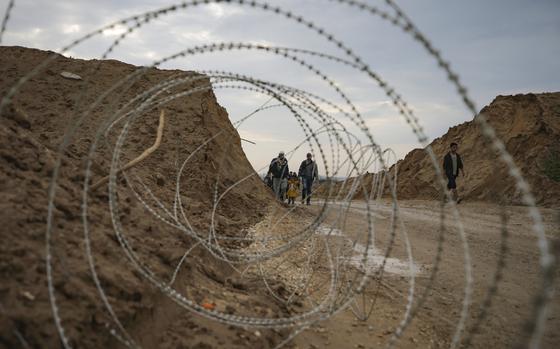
(286, 184)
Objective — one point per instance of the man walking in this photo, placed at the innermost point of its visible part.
(308, 173)
(452, 164)
(279, 170)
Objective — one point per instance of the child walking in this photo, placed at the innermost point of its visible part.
(293, 188)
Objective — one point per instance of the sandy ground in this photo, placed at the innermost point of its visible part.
(34, 125)
(437, 319)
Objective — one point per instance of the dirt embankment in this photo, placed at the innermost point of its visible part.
(33, 126)
(528, 125)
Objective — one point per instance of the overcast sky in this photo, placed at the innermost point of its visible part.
(497, 47)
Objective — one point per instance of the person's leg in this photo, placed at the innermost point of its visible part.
(452, 186)
(283, 188)
(302, 190)
(308, 185)
(449, 186)
(455, 193)
(276, 187)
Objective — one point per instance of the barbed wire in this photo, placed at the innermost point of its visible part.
(6, 18)
(344, 283)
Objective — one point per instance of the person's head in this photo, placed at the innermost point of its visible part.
(281, 155)
(308, 156)
(453, 146)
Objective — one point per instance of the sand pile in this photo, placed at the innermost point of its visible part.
(529, 126)
(33, 126)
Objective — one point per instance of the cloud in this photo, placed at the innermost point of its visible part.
(199, 36)
(220, 11)
(261, 137)
(517, 55)
(71, 28)
(116, 30)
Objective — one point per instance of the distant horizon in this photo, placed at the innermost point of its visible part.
(517, 55)
(322, 177)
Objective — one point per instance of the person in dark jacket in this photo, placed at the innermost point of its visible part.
(268, 180)
(279, 170)
(308, 173)
(452, 164)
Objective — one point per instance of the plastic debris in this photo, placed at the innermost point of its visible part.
(208, 305)
(28, 296)
(69, 75)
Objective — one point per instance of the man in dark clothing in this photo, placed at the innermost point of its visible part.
(308, 173)
(268, 180)
(452, 164)
(279, 170)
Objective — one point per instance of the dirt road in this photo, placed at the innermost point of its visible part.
(437, 319)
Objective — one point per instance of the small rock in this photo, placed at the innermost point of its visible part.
(69, 75)
(159, 180)
(22, 118)
(257, 334)
(28, 296)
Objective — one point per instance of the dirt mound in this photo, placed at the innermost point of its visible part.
(529, 126)
(33, 126)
